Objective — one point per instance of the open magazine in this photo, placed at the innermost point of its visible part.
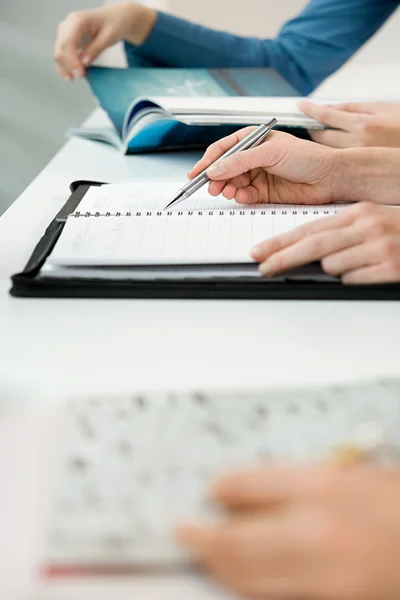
(160, 109)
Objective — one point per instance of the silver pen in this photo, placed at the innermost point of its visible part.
(255, 137)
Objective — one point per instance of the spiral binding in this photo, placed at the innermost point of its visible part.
(281, 212)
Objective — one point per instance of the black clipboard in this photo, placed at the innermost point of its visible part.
(308, 283)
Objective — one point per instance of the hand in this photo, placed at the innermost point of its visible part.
(360, 244)
(283, 169)
(287, 170)
(322, 533)
(85, 34)
(356, 125)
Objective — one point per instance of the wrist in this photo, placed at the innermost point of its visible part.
(139, 20)
(367, 174)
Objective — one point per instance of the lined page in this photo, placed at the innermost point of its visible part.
(125, 224)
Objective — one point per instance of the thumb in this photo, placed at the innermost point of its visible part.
(240, 163)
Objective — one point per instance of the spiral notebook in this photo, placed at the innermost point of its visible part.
(122, 231)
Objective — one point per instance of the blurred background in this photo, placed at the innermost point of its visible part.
(37, 107)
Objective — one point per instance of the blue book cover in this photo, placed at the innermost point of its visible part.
(129, 97)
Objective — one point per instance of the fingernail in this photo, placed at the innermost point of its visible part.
(265, 269)
(76, 73)
(257, 251)
(86, 60)
(216, 170)
(68, 78)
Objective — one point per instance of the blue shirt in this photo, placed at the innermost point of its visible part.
(308, 48)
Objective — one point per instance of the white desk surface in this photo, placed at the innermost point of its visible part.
(88, 345)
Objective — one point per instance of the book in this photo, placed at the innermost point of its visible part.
(122, 231)
(130, 467)
(160, 109)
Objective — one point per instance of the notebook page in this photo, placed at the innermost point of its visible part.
(125, 224)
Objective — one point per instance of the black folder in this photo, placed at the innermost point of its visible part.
(307, 283)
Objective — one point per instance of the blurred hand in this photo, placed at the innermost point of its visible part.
(360, 244)
(357, 124)
(322, 533)
(85, 34)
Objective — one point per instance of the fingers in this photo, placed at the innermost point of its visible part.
(361, 245)
(216, 150)
(250, 544)
(373, 274)
(95, 47)
(348, 260)
(329, 115)
(229, 189)
(66, 54)
(265, 249)
(270, 487)
(257, 557)
(310, 249)
(244, 162)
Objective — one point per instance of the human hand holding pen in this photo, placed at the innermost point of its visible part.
(287, 170)
(253, 138)
(361, 244)
(283, 169)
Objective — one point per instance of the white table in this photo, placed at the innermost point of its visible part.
(82, 346)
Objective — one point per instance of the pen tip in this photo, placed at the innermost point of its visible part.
(174, 199)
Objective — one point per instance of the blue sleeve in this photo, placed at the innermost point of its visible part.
(306, 51)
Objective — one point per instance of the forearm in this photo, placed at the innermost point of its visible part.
(367, 174)
(175, 42)
(140, 21)
(308, 48)
(180, 43)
